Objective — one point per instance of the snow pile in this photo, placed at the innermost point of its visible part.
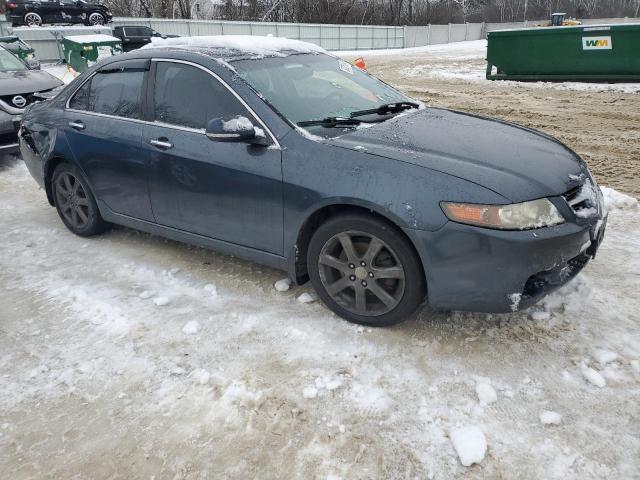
(237, 124)
(97, 38)
(191, 327)
(247, 44)
(615, 200)
(161, 301)
(470, 444)
(548, 417)
(604, 356)
(592, 376)
(282, 285)
(486, 393)
(307, 297)
(310, 392)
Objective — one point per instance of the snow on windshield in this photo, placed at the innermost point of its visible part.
(252, 45)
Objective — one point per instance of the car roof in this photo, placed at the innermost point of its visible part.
(236, 47)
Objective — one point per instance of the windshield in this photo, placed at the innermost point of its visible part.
(9, 63)
(312, 87)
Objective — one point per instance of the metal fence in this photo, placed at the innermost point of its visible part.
(332, 37)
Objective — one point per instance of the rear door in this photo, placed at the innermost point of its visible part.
(227, 191)
(104, 132)
(70, 11)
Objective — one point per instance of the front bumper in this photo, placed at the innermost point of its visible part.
(9, 126)
(483, 270)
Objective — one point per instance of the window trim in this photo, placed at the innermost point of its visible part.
(88, 112)
(146, 91)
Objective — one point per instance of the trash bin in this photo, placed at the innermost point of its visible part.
(82, 51)
(21, 50)
(582, 53)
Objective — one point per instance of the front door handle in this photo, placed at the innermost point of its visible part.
(161, 143)
(78, 125)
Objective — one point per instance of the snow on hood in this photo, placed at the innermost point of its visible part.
(248, 44)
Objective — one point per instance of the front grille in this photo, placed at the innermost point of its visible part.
(583, 199)
(29, 97)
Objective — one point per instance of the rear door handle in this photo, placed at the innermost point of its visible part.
(78, 125)
(161, 143)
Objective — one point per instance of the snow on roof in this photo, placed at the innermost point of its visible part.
(92, 38)
(245, 44)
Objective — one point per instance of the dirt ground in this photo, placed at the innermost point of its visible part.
(602, 126)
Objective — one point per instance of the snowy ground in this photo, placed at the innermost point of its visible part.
(130, 356)
(467, 61)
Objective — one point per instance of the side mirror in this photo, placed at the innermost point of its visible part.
(32, 64)
(237, 129)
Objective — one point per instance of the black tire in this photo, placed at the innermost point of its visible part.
(32, 18)
(100, 19)
(386, 300)
(75, 203)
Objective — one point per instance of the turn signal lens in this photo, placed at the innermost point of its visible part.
(517, 216)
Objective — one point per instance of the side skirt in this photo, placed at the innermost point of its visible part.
(258, 256)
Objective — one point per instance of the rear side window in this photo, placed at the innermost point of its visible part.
(187, 96)
(114, 93)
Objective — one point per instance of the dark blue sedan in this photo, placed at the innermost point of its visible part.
(274, 150)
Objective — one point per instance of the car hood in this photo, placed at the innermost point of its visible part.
(516, 162)
(27, 81)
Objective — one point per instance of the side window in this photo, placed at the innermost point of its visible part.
(112, 93)
(80, 99)
(187, 96)
(117, 93)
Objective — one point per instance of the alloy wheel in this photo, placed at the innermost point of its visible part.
(32, 19)
(72, 201)
(96, 19)
(361, 273)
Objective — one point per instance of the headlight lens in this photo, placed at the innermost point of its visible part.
(517, 216)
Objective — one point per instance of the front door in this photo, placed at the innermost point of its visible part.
(104, 132)
(227, 191)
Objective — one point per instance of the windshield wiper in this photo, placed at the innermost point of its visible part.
(385, 109)
(330, 122)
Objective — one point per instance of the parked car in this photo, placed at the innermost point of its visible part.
(20, 49)
(136, 36)
(273, 150)
(19, 87)
(38, 12)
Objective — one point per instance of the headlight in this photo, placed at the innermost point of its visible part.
(517, 216)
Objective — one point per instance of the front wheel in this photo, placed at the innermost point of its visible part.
(365, 270)
(75, 203)
(96, 18)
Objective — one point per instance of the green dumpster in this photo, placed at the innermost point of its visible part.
(21, 50)
(82, 51)
(582, 53)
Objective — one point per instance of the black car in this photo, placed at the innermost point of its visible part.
(37, 12)
(19, 87)
(136, 36)
(274, 150)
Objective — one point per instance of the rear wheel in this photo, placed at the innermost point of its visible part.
(75, 203)
(365, 270)
(32, 19)
(96, 18)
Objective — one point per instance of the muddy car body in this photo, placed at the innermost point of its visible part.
(471, 213)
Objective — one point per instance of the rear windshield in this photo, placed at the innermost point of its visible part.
(137, 31)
